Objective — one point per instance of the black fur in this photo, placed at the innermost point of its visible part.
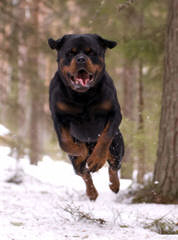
(89, 114)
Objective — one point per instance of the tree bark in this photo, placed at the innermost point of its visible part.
(13, 60)
(129, 76)
(166, 167)
(33, 54)
(141, 146)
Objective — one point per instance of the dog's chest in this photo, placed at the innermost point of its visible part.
(88, 121)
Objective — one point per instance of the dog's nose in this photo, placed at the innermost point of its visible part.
(80, 59)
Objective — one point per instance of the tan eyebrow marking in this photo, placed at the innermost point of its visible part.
(74, 50)
(87, 49)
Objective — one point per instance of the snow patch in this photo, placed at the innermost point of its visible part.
(3, 130)
(50, 204)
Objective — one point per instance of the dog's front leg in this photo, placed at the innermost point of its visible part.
(78, 153)
(82, 171)
(69, 146)
(79, 165)
(101, 151)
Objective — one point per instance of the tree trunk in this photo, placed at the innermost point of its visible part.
(13, 109)
(129, 78)
(141, 146)
(166, 167)
(34, 80)
(129, 81)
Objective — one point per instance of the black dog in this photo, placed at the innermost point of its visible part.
(85, 109)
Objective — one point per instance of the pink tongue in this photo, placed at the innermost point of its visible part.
(83, 81)
(83, 78)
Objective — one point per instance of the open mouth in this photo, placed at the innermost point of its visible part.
(82, 78)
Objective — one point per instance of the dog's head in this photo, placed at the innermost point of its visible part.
(81, 59)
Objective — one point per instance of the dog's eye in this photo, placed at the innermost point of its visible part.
(72, 52)
(89, 51)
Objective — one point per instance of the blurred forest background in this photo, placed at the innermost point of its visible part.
(27, 65)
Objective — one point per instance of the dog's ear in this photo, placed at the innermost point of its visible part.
(106, 43)
(52, 43)
(57, 44)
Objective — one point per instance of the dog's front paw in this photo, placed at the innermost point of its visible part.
(92, 193)
(95, 162)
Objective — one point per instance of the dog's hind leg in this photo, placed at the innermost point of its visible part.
(81, 170)
(116, 154)
(114, 180)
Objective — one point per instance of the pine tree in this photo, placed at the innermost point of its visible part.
(166, 167)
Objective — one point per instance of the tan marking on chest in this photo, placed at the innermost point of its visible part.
(106, 105)
(67, 108)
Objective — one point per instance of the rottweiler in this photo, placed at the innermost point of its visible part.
(85, 109)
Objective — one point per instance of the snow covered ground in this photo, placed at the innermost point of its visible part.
(50, 204)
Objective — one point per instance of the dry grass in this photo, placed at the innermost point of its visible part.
(79, 215)
(163, 226)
